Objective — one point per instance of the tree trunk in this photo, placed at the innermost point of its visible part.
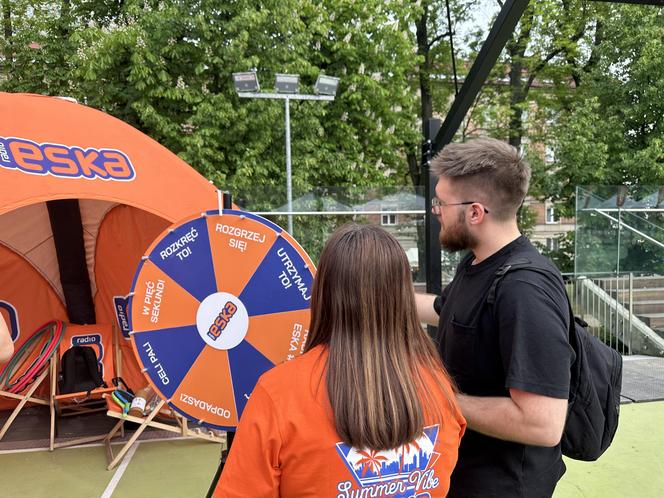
(426, 112)
(516, 100)
(517, 50)
(426, 99)
(9, 42)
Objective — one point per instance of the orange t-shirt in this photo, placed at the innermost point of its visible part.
(286, 445)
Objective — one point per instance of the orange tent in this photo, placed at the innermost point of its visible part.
(82, 196)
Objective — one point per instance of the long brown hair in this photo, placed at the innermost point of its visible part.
(363, 310)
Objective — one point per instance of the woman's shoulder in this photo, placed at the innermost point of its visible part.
(294, 374)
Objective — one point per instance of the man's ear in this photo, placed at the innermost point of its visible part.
(475, 214)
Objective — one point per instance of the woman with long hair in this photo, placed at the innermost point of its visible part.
(368, 410)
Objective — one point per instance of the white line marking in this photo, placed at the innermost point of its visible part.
(108, 492)
(93, 445)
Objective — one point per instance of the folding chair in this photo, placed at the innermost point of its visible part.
(103, 338)
(29, 367)
(179, 425)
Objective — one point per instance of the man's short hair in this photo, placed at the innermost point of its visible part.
(491, 170)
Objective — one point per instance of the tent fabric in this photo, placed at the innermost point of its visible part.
(52, 149)
(27, 231)
(36, 244)
(124, 236)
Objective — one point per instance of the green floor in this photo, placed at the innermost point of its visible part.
(632, 467)
(162, 468)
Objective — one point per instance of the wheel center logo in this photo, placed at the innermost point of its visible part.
(222, 320)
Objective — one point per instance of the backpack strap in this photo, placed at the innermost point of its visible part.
(521, 262)
(67, 370)
(92, 364)
(120, 383)
(514, 263)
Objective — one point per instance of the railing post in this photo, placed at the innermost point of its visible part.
(630, 302)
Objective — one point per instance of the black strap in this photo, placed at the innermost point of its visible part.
(519, 263)
(120, 382)
(93, 366)
(515, 263)
(68, 369)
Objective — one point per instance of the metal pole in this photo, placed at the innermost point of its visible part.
(631, 302)
(289, 185)
(451, 32)
(576, 233)
(287, 98)
(432, 227)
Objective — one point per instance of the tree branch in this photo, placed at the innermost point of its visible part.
(438, 38)
(542, 64)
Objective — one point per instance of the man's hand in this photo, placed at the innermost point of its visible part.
(425, 309)
(524, 417)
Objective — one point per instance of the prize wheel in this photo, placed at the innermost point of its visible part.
(216, 301)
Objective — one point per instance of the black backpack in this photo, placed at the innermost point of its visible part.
(595, 381)
(79, 370)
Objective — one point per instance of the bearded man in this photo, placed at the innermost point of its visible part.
(510, 358)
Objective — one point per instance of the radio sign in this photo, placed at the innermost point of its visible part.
(64, 161)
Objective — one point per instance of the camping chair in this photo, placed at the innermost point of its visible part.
(103, 338)
(176, 424)
(28, 369)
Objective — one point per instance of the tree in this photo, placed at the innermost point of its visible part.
(36, 46)
(168, 71)
(614, 133)
(165, 67)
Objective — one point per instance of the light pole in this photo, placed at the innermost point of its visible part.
(286, 86)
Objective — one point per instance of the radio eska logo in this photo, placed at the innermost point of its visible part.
(221, 321)
(65, 161)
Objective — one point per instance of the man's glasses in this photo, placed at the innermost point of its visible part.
(437, 205)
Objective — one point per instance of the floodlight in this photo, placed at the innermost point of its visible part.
(326, 85)
(246, 82)
(287, 83)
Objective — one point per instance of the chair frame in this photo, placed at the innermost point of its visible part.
(180, 427)
(58, 410)
(25, 398)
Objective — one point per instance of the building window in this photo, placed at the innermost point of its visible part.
(551, 215)
(549, 155)
(552, 244)
(388, 219)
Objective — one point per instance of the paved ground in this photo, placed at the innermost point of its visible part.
(643, 378)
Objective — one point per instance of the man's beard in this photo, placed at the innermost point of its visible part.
(457, 237)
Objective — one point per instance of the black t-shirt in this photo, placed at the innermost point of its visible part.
(521, 341)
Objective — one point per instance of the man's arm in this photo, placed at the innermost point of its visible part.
(523, 417)
(425, 309)
(6, 343)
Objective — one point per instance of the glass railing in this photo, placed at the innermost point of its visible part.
(316, 213)
(619, 229)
